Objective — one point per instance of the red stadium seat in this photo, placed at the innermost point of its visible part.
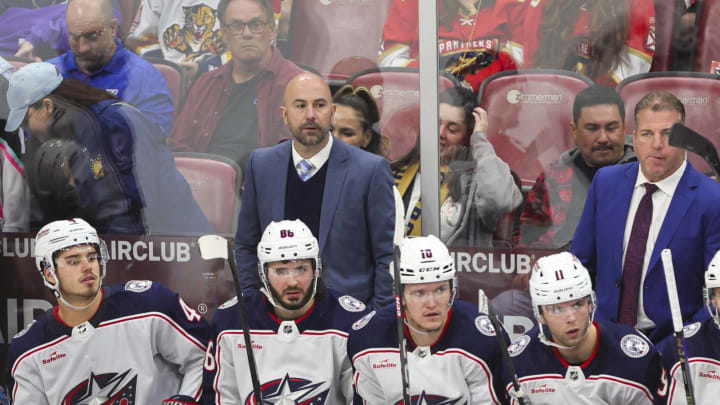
(215, 182)
(529, 115)
(697, 91)
(707, 49)
(175, 79)
(667, 15)
(396, 91)
(337, 38)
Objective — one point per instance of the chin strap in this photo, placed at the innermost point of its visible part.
(78, 307)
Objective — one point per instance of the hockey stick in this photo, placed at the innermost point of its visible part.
(217, 247)
(684, 137)
(666, 256)
(519, 394)
(397, 241)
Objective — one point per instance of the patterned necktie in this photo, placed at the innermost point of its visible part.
(634, 258)
(304, 170)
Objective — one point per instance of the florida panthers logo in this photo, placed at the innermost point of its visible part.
(292, 390)
(104, 389)
(430, 399)
(198, 35)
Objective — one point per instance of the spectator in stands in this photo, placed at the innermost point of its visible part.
(186, 32)
(343, 194)
(634, 211)
(468, 39)
(607, 41)
(477, 187)
(92, 154)
(14, 197)
(554, 204)
(235, 109)
(100, 59)
(356, 120)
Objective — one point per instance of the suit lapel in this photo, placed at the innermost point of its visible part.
(277, 174)
(334, 180)
(680, 203)
(624, 195)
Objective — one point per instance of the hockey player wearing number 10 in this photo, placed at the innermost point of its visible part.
(569, 358)
(453, 354)
(134, 344)
(702, 342)
(298, 329)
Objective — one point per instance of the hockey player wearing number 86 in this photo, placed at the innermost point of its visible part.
(298, 329)
(132, 343)
(569, 358)
(453, 352)
(702, 345)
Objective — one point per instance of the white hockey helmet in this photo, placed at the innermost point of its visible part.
(425, 259)
(64, 234)
(559, 278)
(712, 281)
(287, 240)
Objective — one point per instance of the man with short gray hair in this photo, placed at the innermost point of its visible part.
(101, 60)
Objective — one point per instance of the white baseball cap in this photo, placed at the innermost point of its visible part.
(27, 86)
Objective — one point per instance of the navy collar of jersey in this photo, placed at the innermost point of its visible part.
(64, 329)
(586, 362)
(115, 65)
(297, 321)
(434, 346)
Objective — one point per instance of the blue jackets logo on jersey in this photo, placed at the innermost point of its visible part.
(104, 389)
(292, 390)
(634, 346)
(430, 399)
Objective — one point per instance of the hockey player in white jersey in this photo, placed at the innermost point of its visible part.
(569, 358)
(133, 343)
(702, 342)
(298, 328)
(453, 354)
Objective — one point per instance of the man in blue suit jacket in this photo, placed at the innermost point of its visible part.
(685, 219)
(341, 192)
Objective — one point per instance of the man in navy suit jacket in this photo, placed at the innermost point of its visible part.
(685, 219)
(341, 192)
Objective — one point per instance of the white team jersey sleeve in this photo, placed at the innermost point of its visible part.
(146, 20)
(225, 384)
(705, 376)
(366, 384)
(26, 389)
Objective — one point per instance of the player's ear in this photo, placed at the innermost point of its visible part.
(49, 275)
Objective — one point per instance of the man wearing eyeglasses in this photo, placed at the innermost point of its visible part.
(298, 328)
(100, 59)
(570, 358)
(131, 343)
(236, 108)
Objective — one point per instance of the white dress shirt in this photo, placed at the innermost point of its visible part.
(316, 161)
(661, 202)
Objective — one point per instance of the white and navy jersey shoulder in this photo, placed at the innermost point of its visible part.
(624, 368)
(303, 359)
(702, 340)
(462, 367)
(143, 345)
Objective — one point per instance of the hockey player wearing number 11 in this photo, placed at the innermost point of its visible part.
(702, 345)
(571, 359)
(135, 343)
(298, 329)
(453, 354)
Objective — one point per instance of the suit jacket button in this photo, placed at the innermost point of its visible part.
(618, 283)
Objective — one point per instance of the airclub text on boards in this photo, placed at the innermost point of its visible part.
(493, 262)
(139, 251)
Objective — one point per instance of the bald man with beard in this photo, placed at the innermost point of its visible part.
(342, 193)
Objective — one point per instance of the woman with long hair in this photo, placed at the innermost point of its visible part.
(607, 40)
(356, 120)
